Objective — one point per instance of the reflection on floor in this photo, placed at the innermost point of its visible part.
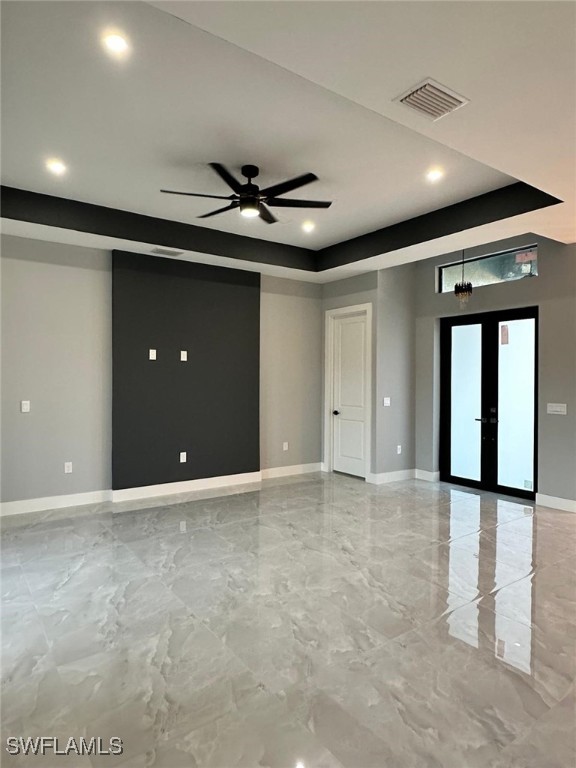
(312, 622)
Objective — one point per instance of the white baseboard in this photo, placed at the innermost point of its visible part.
(323, 467)
(555, 502)
(53, 502)
(150, 491)
(295, 469)
(430, 477)
(390, 477)
(186, 486)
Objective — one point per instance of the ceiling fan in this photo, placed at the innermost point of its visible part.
(253, 201)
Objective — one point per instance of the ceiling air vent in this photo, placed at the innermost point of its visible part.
(166, 252)
(432, 99)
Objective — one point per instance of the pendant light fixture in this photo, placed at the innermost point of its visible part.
(463, 289)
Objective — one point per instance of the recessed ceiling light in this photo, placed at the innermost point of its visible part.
(308, 226)
(115, 44)
(56, 166)
(435, 174)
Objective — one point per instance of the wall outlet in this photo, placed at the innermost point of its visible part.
(284, 446)
(182, 457)
(183, 355)
(67, 467)
(151, 354)
(386, 402)
(182, 526)
(398, 449)
(25, 406)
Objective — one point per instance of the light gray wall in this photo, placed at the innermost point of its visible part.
(290, 372)
(361, 289)
(395, 369)
(56, 352)
(554, 292)
(391, 294)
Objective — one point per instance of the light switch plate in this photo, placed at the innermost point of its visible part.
(182, 457)
(386, 402)
(151, 354)
(25, 406)
(67, 467)
(284, 446)
(183, 355)
(557, 408)
(398, 449)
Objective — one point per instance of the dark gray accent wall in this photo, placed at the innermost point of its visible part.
(207, 406)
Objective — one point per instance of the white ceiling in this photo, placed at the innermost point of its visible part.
(295, 87)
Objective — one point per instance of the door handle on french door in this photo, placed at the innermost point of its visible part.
(482, 420)
(336, 413)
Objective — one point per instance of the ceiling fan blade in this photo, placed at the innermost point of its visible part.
(196, 194)
(288, 186)
(266, 215)
(225, 174)
(230, 207)
(284, 202)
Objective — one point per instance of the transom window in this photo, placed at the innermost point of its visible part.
(494, 268)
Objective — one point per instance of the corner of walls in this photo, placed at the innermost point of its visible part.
(291, 368)
(395, 374)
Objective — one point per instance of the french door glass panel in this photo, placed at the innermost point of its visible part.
(466, 406)
(516, 351)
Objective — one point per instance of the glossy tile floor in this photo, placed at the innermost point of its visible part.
(314, 622)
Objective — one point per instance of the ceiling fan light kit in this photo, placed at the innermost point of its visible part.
(252, 201)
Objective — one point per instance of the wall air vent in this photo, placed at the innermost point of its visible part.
(166, 252)
(432, 99)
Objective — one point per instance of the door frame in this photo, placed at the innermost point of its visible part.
(331, 315)
(446, 325)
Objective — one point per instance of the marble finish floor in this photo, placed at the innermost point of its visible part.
(311, 622)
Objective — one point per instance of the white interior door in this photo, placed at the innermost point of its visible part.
(350, 407)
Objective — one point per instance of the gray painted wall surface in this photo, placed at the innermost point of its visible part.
(290, 372)
(395, 369)
(56, 352)
(391, 294)
(554, 292)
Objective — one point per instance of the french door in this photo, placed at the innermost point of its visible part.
(488, 409)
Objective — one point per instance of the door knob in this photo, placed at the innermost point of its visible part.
(336, 413)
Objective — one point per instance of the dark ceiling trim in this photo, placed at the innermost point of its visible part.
(52, 211)
(97, 219)
(499, 204)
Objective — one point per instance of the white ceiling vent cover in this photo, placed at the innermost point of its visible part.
(166, 252)
(432, 99)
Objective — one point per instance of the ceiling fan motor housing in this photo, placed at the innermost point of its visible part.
(250, 171)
